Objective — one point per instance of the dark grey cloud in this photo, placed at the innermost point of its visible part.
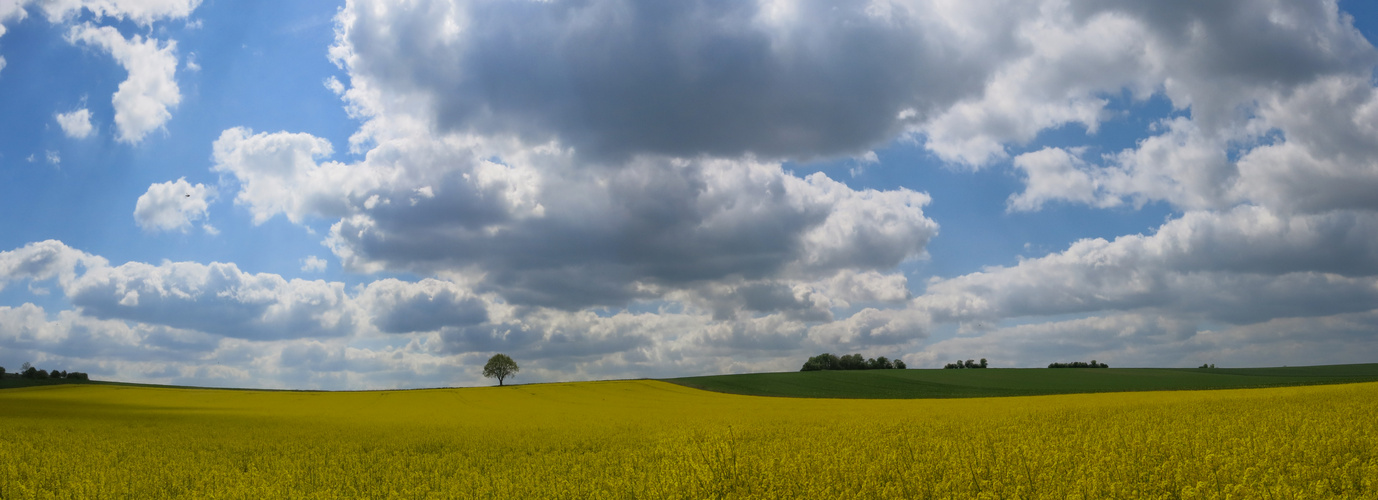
(716, 77)
(1242, 43)
(400, 307)
(550, 337)
(540, 231)
(489, 338)
(314, 358)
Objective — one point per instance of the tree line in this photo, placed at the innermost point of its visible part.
(1079, 364)
(827, 361)
(31, 372)
(959, 365)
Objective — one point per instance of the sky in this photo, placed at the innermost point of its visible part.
(383, 194)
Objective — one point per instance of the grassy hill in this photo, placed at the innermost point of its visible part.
(996, 382)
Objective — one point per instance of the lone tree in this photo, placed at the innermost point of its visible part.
(500, 366)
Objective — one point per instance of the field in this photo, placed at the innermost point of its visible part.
(996, 382)
(651, 439)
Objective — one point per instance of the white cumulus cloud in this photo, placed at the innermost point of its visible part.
(143, 101)
(313, 263)
(76, 124)
(173, 205)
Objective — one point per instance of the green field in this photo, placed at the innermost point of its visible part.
(996, 382)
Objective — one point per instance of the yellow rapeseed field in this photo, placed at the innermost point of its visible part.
(647, 439)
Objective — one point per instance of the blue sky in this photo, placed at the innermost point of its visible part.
(376, 195)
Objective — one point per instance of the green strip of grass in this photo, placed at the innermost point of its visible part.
(998, 382)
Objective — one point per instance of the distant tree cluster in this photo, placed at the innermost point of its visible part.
(959, 365)
(1079, 364)
(827, 361)
(31, 372)
(1207, 365)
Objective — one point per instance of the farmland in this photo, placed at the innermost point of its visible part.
(637, 439)
(1000, 382)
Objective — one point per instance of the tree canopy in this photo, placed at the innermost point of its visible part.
(827, 361)
(970, 363)
(500, 366)
(1079, 364)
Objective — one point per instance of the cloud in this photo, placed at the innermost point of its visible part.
(1212, 59)
(143, 100)
(539, 227)
(172, 206)
(313, 263)
(614, 79)
(277, 174)
(142, 12)
(214, 298)
(428, 305)
(76, 124)
(44, 260)
(1329, 149)
(184, 321)
(1241, 266)
(82, 342)
(1310, 150)
(1054, 174)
